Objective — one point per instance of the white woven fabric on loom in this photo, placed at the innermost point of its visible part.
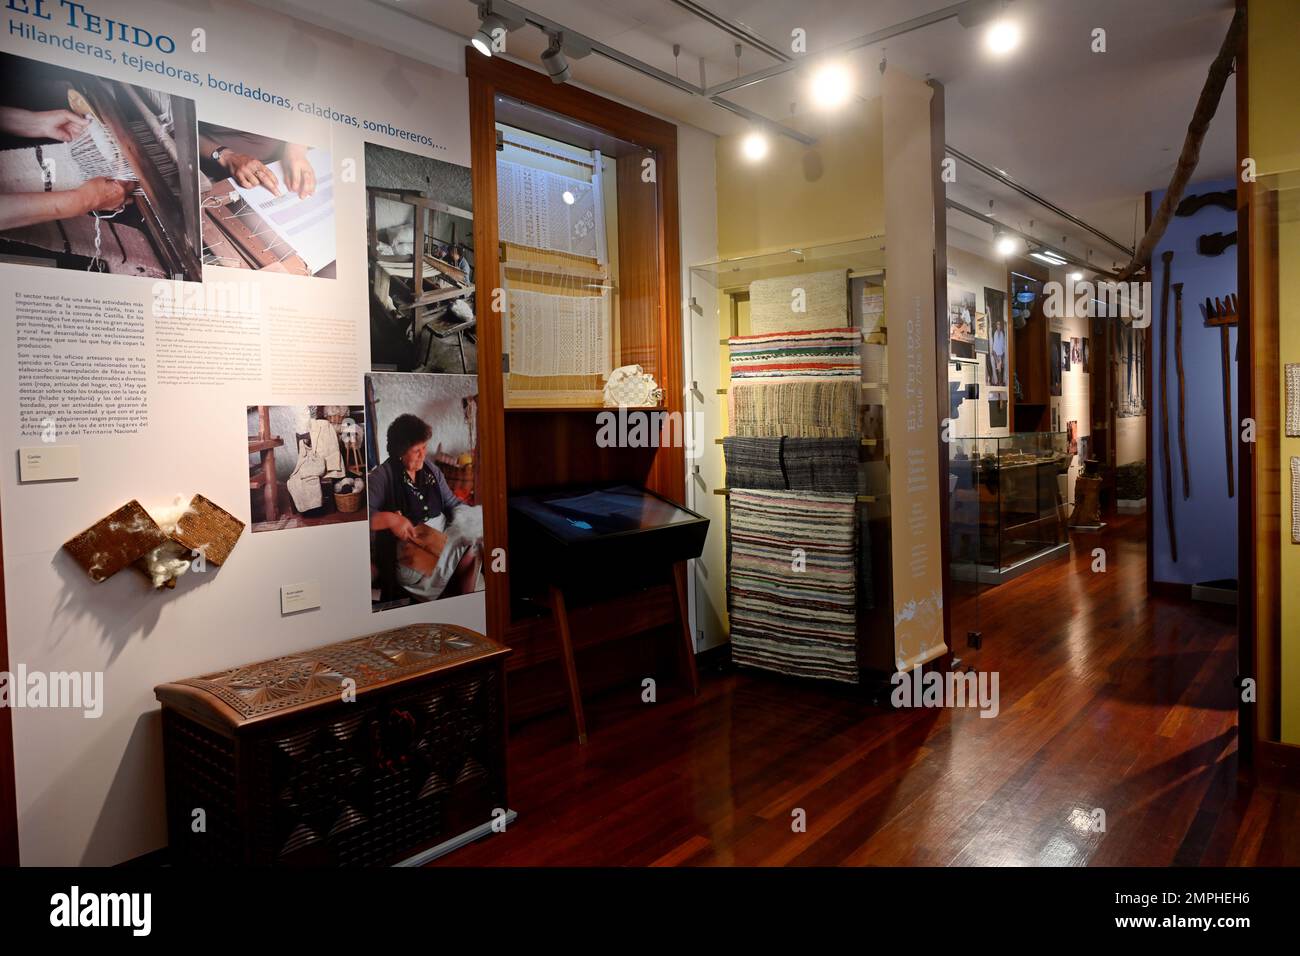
(1293, 400)
(532, 211)
(559, 334)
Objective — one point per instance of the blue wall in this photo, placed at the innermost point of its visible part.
(1206, 522)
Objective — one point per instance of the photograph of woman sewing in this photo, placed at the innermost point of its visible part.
(420, 251)
(306, 465)
(90, 174)
(267, 204)
(426, 528)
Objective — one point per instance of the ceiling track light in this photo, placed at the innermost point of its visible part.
(561, 47)
(553, 58)
(496, 20)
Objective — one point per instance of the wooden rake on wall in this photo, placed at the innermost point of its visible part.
(1222, 314)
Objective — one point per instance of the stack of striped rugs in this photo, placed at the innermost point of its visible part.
(797, 553)
(804, 384)
(792, 591)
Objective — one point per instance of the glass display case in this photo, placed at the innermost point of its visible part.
(1008, 511)
(835, 290)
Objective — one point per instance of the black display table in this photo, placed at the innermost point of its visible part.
(598, 538)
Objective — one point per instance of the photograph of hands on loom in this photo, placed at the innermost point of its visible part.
(267, 204)
(96, 175)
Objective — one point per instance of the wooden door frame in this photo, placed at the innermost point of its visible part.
(488, 78)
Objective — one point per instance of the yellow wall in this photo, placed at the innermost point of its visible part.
(1274, 56)
(1274, 60)
(828, 192)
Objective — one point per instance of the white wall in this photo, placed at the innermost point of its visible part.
(696, 178)
(90, 791)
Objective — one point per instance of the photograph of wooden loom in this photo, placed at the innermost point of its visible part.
(420, 257)
(267, 204)
(96, 175)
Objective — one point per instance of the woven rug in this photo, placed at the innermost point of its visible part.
(799, 408)
(754, 462)
(797, 622)
(821, 353)
(825, 300)
(821, 464)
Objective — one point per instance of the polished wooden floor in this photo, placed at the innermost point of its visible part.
(1109, 701)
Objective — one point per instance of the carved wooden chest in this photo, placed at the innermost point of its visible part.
(359, 753)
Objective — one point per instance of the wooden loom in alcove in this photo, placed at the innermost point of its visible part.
(561, 329)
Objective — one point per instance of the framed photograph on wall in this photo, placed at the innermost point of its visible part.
(426, 521)
(995, 309)
(961, 323)
(1054, 356)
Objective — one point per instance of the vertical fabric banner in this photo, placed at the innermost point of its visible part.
(913, 427)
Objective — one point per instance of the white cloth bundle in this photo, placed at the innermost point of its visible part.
(631, 385)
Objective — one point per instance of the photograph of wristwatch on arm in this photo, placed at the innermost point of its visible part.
(246, 158)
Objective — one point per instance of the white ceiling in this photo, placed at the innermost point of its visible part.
(1090, 131)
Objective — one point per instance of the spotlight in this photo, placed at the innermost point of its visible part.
(556, 63)
(1076, 276)
(832, 85)
(754, 146)
(1005, 244)
(568, 198)
(487, 33)
(1002, 37)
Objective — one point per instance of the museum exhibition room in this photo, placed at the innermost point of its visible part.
(716, 434)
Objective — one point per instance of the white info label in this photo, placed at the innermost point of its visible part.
(49, 463)
(299, 597)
